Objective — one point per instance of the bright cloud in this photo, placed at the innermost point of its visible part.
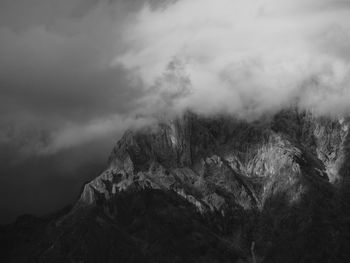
(244, 57)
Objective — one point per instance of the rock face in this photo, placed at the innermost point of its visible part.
(199, 189)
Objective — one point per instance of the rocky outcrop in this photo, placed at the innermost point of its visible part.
(205, 189)
(224, 157)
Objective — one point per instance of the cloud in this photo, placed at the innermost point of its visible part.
(72, 134)
(55, 72)
(62, 105)
(245, 57)
(74, 71)
(74, 74)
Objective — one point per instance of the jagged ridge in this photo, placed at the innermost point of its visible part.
(273, 183)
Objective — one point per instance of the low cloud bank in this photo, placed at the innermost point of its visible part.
(75, 74)
(75, 71)
(242, 57)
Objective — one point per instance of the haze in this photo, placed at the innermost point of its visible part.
(74, 75)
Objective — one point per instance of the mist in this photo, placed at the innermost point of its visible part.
(93, 69)
(243, 57)
(74, 75)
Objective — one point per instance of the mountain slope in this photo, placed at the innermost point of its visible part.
(207, 189)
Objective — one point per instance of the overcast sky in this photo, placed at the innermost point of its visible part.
(74, 74)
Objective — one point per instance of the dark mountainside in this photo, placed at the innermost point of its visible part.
(200, 189)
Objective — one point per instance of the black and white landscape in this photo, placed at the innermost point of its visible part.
(175, 131)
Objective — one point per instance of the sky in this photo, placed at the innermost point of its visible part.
(75, 74)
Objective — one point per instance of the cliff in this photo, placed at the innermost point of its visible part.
(208, 189)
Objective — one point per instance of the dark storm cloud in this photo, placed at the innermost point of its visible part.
(84, 63)
(40, 184)
(62, 105)
(55, 64)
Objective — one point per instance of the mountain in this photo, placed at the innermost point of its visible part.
(206, 189)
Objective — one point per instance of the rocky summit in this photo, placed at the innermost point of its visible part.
(206, 189)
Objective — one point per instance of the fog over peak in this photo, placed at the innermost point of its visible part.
(75, 65)
(245, 57)
(75, 74)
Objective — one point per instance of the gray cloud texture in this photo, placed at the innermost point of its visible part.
(78, 70)
(55, 76)
(247, 57)
(62, 105)
(74, 74)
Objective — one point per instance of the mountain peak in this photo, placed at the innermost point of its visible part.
(210, 187)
